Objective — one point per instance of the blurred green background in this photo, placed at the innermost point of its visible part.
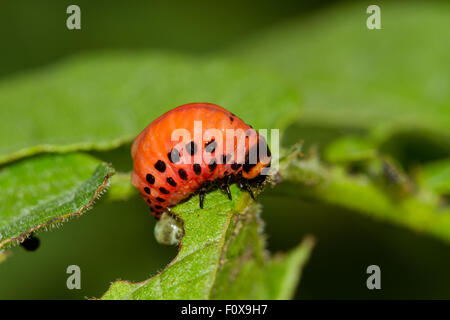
(33, 34)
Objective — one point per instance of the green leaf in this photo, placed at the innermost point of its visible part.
(389, 80)
(284, 270)
(101, 101)
(435, 176)
(47, 190)
(418, 209)
(349, 149)
(222, 245)
(121, 188)
(275, 278)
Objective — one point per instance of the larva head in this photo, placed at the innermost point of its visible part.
(257, 158)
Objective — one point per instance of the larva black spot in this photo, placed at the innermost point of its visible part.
(160, 166)
(182, 173)
(147, 190)
(160, 199)
(171, 182)
(174, 155)
(148, 201)
(235, 166)
(247, 165)
(211, 146)
(158, 207)
(197, 168)
(226, 158)
(231, 119)
(164, 190)
(191, 148)
(150, 178)
(212, 165)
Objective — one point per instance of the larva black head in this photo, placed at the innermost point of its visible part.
(260, 151)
